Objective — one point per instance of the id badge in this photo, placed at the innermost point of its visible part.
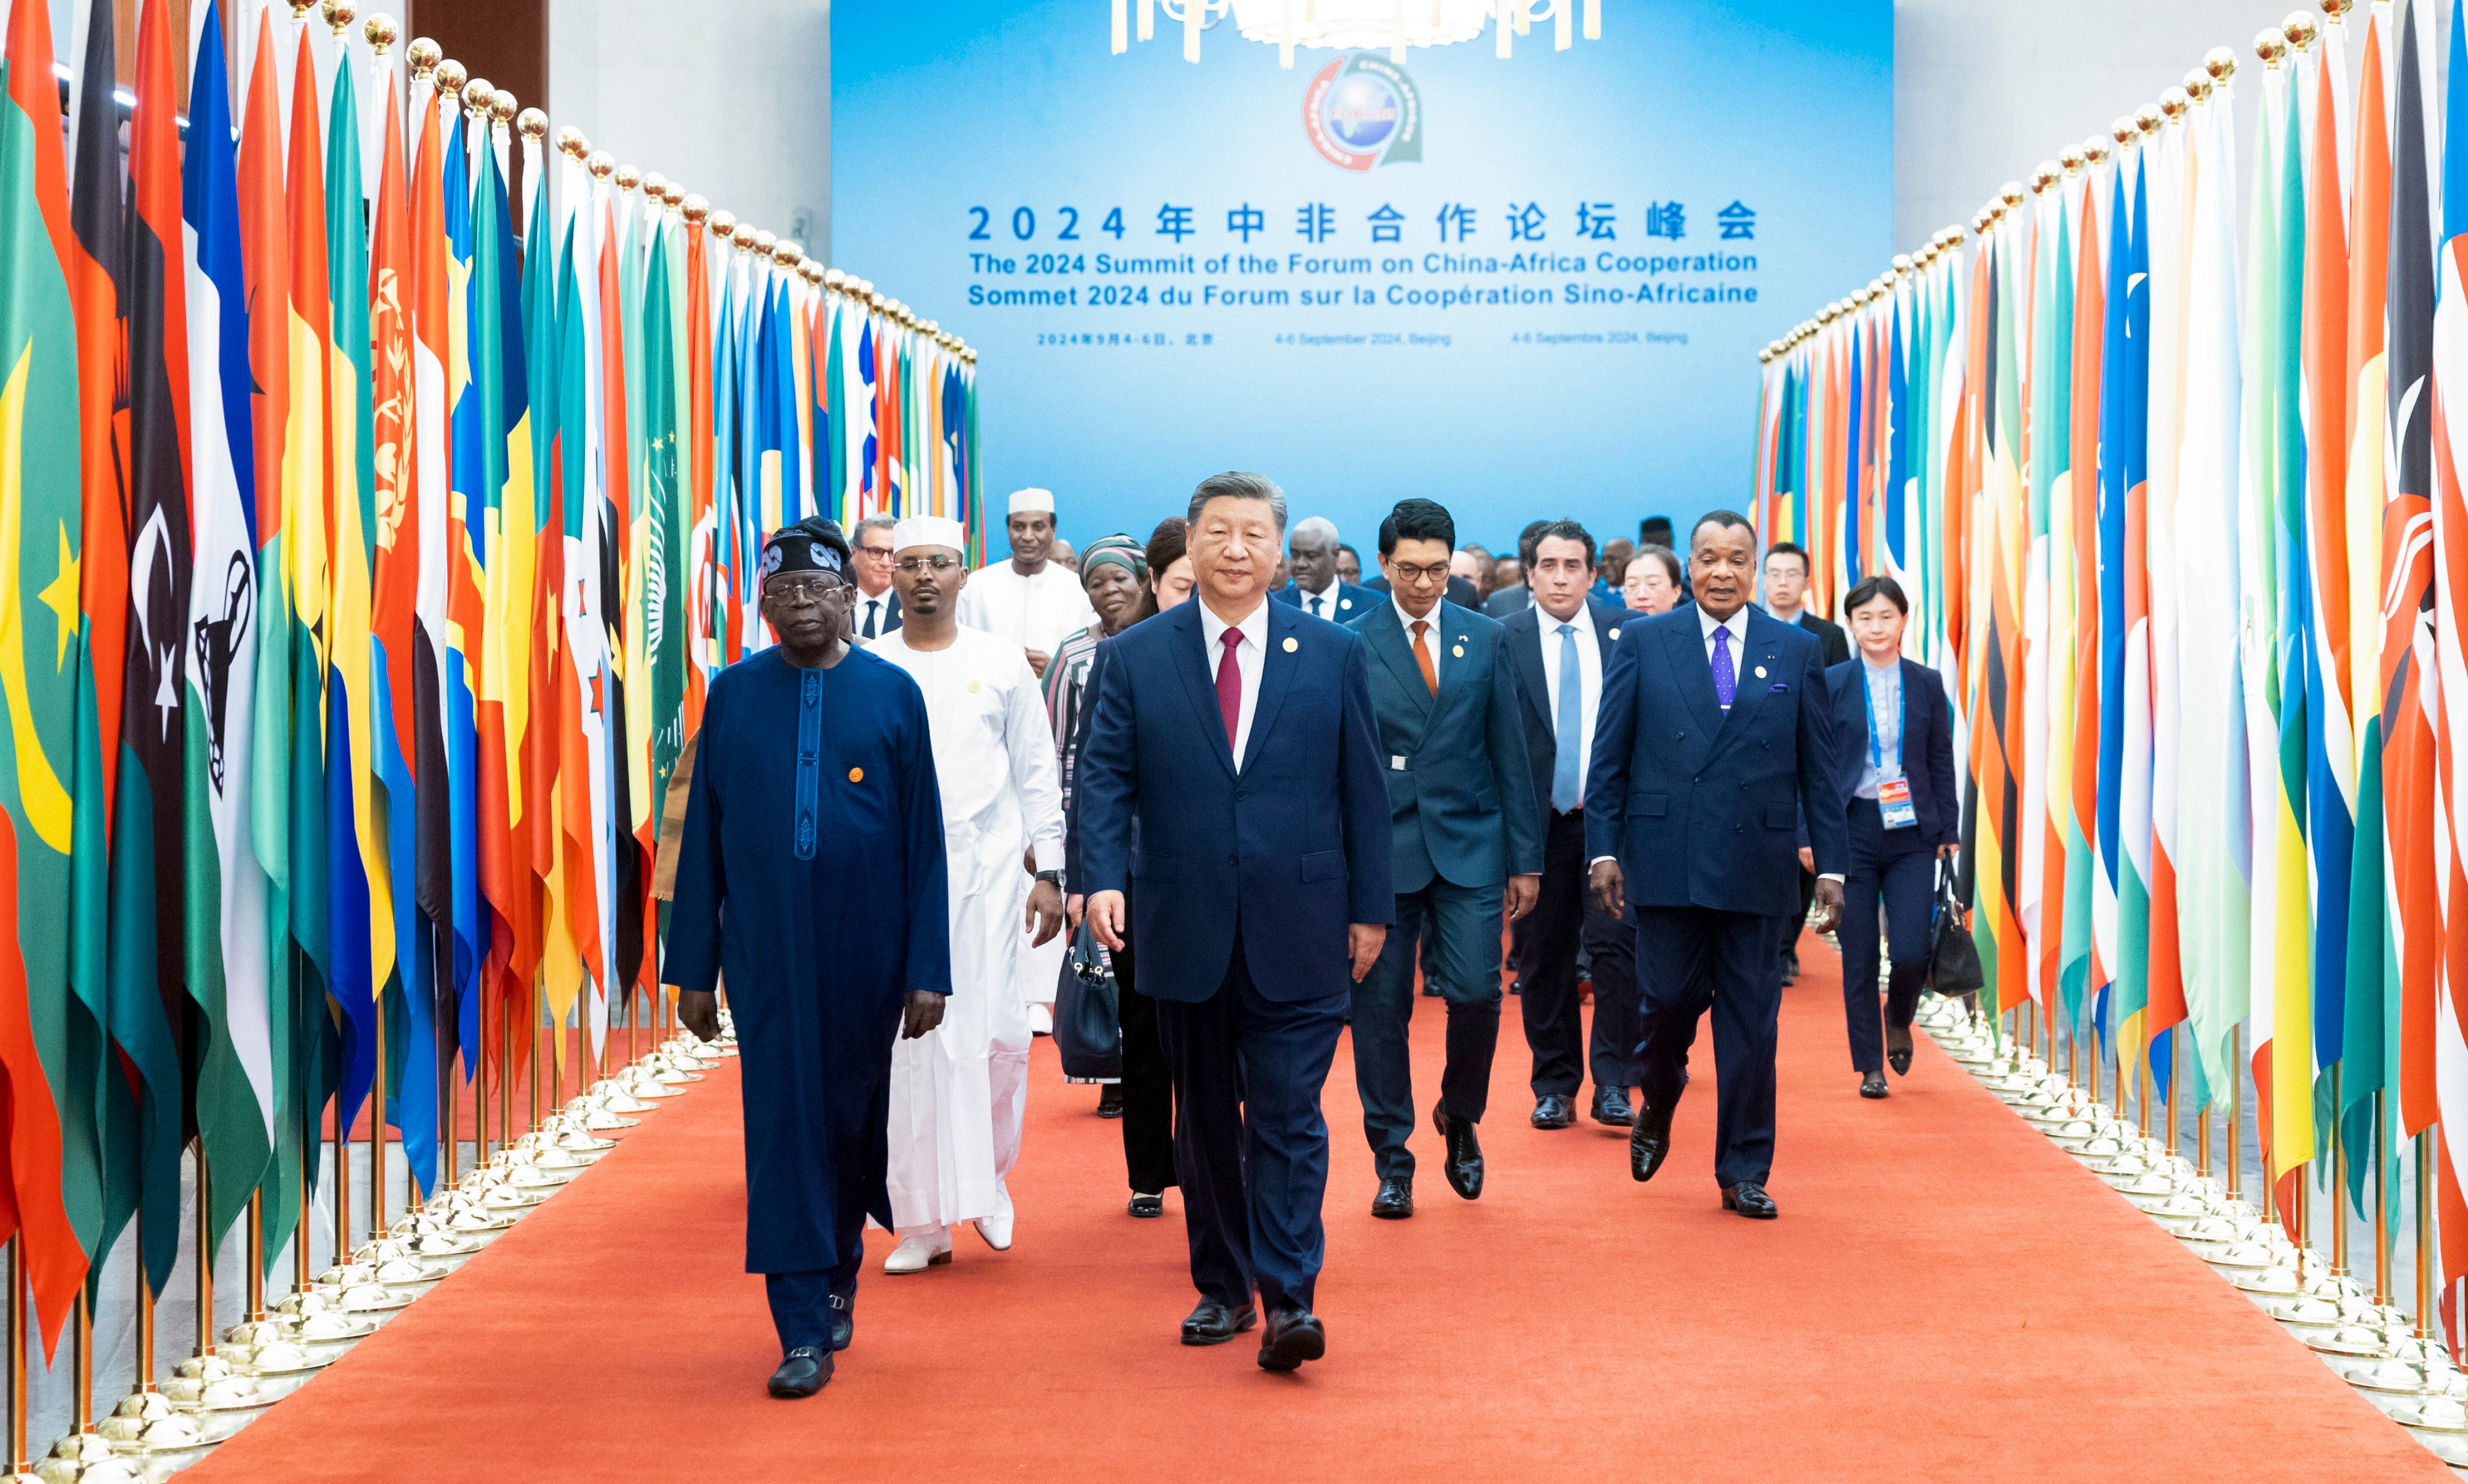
(1894, 804)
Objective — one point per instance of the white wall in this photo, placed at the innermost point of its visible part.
(730, 97)
(1986, 89)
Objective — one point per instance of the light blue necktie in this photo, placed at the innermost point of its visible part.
(1567, 726)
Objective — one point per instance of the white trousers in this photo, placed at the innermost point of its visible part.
(959, 1093)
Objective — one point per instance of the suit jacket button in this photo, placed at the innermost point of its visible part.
(1233, 860)
(1738, 828)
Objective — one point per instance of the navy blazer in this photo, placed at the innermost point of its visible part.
(1525, 662)
(1288, 850)
(890, 615)
(1701, 807)
(1352, 601)
(1928, 744)
(1456, 762)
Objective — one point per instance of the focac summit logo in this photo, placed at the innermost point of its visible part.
(1362, 111)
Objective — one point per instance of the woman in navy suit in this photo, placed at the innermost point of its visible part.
(1895, 731)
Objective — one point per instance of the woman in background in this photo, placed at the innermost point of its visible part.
(1894, 732)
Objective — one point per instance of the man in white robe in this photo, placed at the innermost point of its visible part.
(958, 1094)
(1037, 602)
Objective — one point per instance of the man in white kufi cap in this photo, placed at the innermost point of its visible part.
(959, 1092)
(1032, 599)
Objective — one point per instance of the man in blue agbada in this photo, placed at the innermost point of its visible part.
(811, 877)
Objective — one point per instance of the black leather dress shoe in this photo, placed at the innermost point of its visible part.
(1293, 1336)
(1873, 1084)
(1749, 1199)
(1612, 1109)
(1463, 1164)
(1898, 1049)
(1147, 1206)
(1790, 966)
(1396, 1198)
(843, 1323)
(1648, 1138)
(1552, 1111)
(1212, 1323)
(804, 1370)
(1110, 1102)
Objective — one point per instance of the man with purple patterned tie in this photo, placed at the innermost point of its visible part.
(1716, 732)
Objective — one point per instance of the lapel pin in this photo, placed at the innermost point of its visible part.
(1761, 675)
(1345, 603)
(1615, 636)
(972, 685)
(1458, 650)
(856, 775)
(1290, 645)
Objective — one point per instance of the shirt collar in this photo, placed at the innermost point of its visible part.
(1410, 619)
(1737, 624)
(1254, 627)
(1583, 619)
(1892, 667)
(1329, 591)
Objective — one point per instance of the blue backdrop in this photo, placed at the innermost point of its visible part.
(1524, 288)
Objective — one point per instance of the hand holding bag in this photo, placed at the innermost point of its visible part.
(1087, 1012)
(1953, 958)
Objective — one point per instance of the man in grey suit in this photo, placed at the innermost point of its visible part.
(1464, 825)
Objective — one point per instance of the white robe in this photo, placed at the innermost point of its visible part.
(1034, 612)
(958, 1094)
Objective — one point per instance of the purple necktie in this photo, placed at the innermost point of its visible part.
(1726, 679)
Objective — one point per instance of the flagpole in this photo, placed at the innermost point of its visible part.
(205, 1257)
(2339, 1186)
(2236, 1132)
(257, 1256)
(84, 1362)
(144, 1314)
(2424, 1248)
(342, 1183)
(299, 1225)
(2382, 1207)
(377, 1132)
(18, 1463)
(2169, 1111)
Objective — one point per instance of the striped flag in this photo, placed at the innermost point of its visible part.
(2450, 376)
(443, 962)
(41, 475)
(226, 885)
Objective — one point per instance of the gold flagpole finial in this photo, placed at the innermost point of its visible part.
(834, 280)
(629, 178)
(505, 106)
(787, 252)
(450, 77)
(673, 195)
(601, 164)
(382, 32)
(2070, 159)
(2301, 31)
(765, 243)
(532, 124)
(339, 15)
(696, 210)
(723, 224)
(423, 55)
(478, 93)
(2148, 119)
(2092, 152)
(2336, 10)
(2221, 63)
(2197, 86)
(656, 186)
(570, 142)
(2271, 46)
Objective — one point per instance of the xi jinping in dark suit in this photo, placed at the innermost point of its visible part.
(1717, 730)
(1239, 734)
(1465, 825)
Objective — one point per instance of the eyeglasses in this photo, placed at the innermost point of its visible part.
(1408, 573)
(912, 566)
(795, 590)
(882, 553)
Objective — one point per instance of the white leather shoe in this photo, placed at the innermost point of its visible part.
(996, 1228)
(920, 1251)
(1041, 1019)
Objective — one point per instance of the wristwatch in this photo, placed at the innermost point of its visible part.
(1056, 876)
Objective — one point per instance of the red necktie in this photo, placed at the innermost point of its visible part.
(1230, 685)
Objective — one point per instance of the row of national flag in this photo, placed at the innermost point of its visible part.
(2169, 451)
(375, 503)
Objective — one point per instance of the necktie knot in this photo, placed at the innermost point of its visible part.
(1423, 661)
(1230, 638)
(1567, 629)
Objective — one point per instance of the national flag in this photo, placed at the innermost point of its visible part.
(226, 885)
(41, 479)
(2125, 736)
(462, 573)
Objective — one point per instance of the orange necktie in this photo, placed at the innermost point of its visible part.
(1423, 657)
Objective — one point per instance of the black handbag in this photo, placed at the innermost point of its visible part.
(1087, 1012)
(1953, 958)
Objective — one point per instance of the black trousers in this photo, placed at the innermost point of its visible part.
(1790, 935)
(1547, 941)
(1692, 960)
(1147, 1084)
(1250, 1147)
(1892, 869)
(801, 1302)
(1462, 966)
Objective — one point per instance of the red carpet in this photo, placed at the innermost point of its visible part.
(1946, 1296)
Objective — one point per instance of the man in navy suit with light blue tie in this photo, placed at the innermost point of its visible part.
(1716, 732)
(1240, 734)
(1465, 826)
(1311, 555)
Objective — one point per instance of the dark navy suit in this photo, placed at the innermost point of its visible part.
(1247, 875)
(1893, 866)
(1351, 603)
(1701, 809)
(1563, 914)
(1463, 822)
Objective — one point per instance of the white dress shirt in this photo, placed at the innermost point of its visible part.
(1323, 605)
(1251, 658)
(1589, 679)
(1738, 625)
(877, 608)
(1433, 638)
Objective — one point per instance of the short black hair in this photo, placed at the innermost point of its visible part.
(1557, 530)
(1167, 544)
(1729, 520)
(1351, 551)
(1868, 589)
(1525, 541)
(1669, 559)
(1646, 528)
(1417, 520)
(1793, 549)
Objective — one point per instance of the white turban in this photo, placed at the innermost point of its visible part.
(1027, 501)
(929, 531)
